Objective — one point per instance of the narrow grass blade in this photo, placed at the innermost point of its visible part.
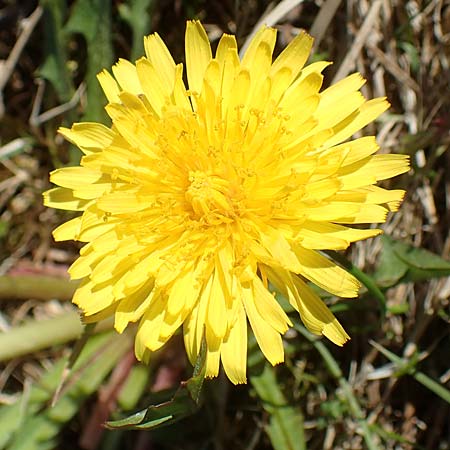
(408, 367)
(347, 390)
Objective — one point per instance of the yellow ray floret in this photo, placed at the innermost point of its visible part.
(202, 197)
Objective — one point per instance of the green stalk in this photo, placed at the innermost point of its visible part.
(37, 287)
(36, 335)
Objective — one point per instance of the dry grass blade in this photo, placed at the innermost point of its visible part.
(7, 67)
(350, 59)
(323, 19)
(392, 67)
(271, 19)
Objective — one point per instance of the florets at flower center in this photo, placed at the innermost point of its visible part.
(211, 198)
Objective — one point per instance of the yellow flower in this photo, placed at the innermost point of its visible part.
(194, 200)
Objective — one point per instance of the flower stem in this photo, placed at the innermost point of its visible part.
(36, 335)
(24, 287)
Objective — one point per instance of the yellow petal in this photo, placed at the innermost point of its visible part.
(313, 312)
(368, 112)
(183, 293)
(234, 349)
(326, 274)
(94, 223)
(337, 112)
(198, 54)
(264, 35)
(109, 86)
(269, 340)
(86, 183)
(126, 75)
(322, 189)
(63, 198)
(294, 56)
(113, 266)
(375, 168)
(355, 150)
(340, 90)
(92, 298)
(194, 326)
(237, 102)
(300, 91)
(392, 198)
(147, 336)
(154, 89)
(317, 317)
(214, 346)
(347, 211)
(329, 236)
(125, 201)
(217, 313)
(229, 70)
(89, 137)
(279, 81)
(68, 230)
(280, 249)
(132, 307)
(160, 57)
(83, 265)
(269, 308)
(226, 43)
(179, 95)
(317, 67)
(101, 315)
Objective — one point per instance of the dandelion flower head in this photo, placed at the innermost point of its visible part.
(202, 198)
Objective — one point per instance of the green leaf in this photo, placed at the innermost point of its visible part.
(401, 263)
(133, 387)
(136, 14)
(285, 428)
(412, 53)
(92, 19)
(184, 403)
(55, 68)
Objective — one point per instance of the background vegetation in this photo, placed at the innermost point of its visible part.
(388, 388)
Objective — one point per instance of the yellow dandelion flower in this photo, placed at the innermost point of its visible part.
(195, 199)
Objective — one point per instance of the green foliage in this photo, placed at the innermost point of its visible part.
(347, 392)
(55, 68)
(92, 19)
(285, 427)
(401, 263)
(184, 403)
(31, 423)
(136, 14)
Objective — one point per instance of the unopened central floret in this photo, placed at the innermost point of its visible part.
(210, 197)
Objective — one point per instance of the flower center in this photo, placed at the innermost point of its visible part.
(210, 197)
